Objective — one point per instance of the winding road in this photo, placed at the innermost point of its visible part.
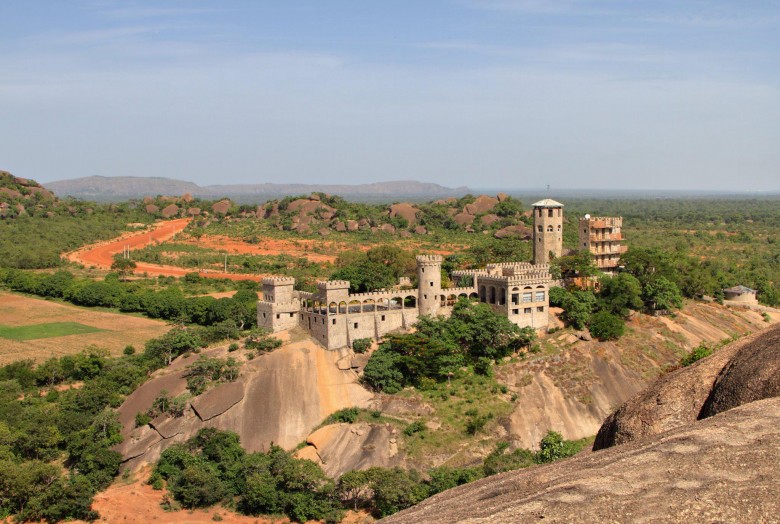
(101, 255)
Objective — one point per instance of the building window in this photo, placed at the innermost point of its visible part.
(539, 296)
(540, 229)
(334, 321)
(277, 316)
(527, 296)
(431, 284)
(515, 298)
(515, 311)
(540, 309)
(383, 318)
(263, 315)
(355, 325)
(527, 311)
(549, 213)
(292, 315)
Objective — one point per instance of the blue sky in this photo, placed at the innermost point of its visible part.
(485, 93)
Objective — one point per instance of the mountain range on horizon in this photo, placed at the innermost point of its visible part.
(123, 187)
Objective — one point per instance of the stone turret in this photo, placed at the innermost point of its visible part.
(278, 308)
(548, 230)
(428, 284)
(278, 290)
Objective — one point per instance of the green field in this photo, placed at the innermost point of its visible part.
(53, 329)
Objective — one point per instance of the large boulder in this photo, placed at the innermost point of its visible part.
(722, 469)
(405, 210)
(678, 398)
(753, 374)
(170, 211)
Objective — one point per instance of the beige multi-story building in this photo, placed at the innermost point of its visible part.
(602, 236)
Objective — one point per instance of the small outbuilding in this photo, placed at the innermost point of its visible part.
(740, 294)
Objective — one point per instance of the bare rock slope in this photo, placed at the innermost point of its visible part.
(721, 469)
(279, 397)
(741, 372)
(573, 390)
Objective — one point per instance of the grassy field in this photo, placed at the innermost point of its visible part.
(28, 319)
(49, 330)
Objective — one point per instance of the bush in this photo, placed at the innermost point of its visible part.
(552, 447)
(699, 352)
(347, 415)
(361, 345)
(142, 419)
(607, 326)
(415, 427)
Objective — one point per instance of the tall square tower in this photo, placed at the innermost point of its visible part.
(548, 230)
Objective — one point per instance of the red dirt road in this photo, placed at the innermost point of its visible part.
(101, 255)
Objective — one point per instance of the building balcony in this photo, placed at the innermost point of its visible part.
(601, 237)
(605, 249)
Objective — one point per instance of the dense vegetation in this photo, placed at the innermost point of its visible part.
(440, 347)
(212, 468)
(169, 303)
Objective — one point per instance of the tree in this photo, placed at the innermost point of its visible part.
(620, 294)
(577, 307)
(381, 374)
(123, 266)
(606, 326)
(661, 293)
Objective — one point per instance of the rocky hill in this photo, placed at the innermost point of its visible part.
(570, 386)
(20, 196)
(700, 445)
(125, 187)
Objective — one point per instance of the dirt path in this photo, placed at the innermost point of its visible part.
(101, 255)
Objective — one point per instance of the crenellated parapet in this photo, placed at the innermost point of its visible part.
(276, 281)
(328, 285)
(429, 260)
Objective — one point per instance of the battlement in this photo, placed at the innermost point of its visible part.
(276, 281)
(519, 265)
(328, 285)
(429, 259)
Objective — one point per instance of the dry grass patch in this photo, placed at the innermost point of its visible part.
(112, 331)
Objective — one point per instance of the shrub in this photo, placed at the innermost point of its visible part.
(142, 419)
(552, 447)
(698, 353)
(607, 326)
(347, 415)
(361, 345)
(415, 427)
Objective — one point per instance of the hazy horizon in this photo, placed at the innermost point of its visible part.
(508, 94)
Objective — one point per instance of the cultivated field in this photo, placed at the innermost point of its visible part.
(53, 322)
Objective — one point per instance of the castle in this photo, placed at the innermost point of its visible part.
(336, 318)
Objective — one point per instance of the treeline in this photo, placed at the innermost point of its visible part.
(213, 468)
(133, 297)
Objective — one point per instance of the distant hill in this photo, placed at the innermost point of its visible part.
(121, 188)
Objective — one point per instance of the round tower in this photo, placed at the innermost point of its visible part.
(428, 284)
(548, 230)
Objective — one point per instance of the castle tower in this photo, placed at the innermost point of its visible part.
(278, 308)
(548, 230)
(428, 284)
